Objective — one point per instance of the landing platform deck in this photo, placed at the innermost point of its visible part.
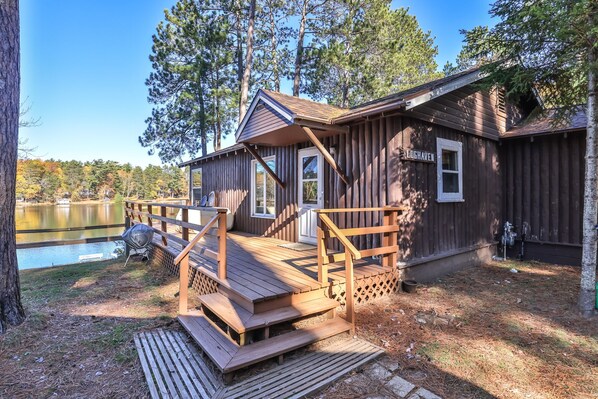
(259, 269)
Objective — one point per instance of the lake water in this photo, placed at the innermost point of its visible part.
(74, 215)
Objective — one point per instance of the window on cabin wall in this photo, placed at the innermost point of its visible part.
(196, 186)
(450, 170)
(263, 189)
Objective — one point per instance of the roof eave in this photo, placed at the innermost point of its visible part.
(378, 108)
(506, 135)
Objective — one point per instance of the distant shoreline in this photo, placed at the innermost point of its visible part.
(94, 202)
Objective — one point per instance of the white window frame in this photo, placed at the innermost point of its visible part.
(451, 145)
(254, 214)
(193, 188)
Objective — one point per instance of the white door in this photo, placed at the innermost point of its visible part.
(310, 191)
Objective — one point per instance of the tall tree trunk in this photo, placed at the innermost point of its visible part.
(218, 130)
(299, 54)
(202, 122)
(587, 294)
(248, 62)
(345, 90)
(274, 50)
(11, 309)
(239, 44)
(217, 114)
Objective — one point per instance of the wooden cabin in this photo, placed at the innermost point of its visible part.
(434, 149)
(336, 206)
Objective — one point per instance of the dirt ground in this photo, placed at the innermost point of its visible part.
(77, 341)
(483, 332)
(487, 332)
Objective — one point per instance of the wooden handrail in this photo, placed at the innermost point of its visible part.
(64, 229)
(196, 239)
(388, 250)
(183, 258)
(341, 237)
(175, 206)
(374, 209)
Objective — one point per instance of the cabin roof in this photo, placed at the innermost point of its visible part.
(543, 124)
(222, 151)
(288, 110)
(306, 109)
(413, 96)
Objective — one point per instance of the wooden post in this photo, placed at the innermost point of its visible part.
(149, 216)
(349, 291)
(386, 221)
(163, 226)
(183, 284)
(127, 225)
(185, 230)
(140, 209)
(222, 244)
(322, 264)
(393, 239)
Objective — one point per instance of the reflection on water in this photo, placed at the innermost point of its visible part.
(33, 258)
(75, 215)
(56, 216)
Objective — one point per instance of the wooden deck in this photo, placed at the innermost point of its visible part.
(259, 269)
(255, 294)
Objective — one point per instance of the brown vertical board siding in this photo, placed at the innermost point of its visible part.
(555, 165)
(554, 190)
(368, 153)
(534, 221)
(264, 119)
(565, 192)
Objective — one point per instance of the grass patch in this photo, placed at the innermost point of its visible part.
(77, 340)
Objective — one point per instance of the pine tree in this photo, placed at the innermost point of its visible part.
(191, 85)
(366, 51)
(11, 309)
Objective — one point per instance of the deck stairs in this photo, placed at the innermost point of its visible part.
(235, 332)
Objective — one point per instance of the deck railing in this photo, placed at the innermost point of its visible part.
(216, 226)
(52, 243)
(327, 229)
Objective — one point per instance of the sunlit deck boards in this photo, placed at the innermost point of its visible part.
(259, 269)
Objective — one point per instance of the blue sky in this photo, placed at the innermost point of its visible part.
(84, 64)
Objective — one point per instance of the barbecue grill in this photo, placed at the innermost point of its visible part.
(138, 237)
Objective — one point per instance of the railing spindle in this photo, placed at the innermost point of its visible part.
(163, 225)
(185, 230)
(222, 244)
(322, 262)
(349, 292)
(149, 216)
(393, 238)
(183, 284)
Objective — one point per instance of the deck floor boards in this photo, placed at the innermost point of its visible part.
(258, 268)
(294, 379)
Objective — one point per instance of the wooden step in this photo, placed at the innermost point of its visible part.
(241, 320)
(210, 338)
(269, 348)
(228, 356)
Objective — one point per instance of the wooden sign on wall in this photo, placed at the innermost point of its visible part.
(416, 155)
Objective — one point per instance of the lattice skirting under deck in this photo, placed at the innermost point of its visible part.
(198, 281)
(368, 288)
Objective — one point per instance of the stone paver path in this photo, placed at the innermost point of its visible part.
(382, 377)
